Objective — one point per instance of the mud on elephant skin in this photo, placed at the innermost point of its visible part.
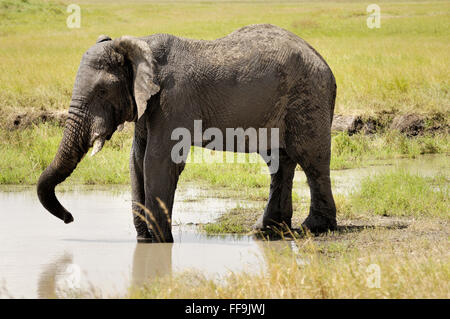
(260, 76)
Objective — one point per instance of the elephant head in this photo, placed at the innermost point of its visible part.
(114, 82)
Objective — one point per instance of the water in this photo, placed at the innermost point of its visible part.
(347, 180)
(42, 257)
(39, 253)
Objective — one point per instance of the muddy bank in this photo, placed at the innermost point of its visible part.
(21, 120)
(410, 124)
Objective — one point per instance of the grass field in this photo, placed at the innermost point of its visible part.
(26, 153)
(402, 66)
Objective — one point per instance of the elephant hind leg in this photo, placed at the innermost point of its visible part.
(312, 150)
(322, 211)
(278, 211)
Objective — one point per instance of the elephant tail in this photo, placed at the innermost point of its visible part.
(333, 98)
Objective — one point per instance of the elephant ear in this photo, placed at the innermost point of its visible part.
(141, 57)
(103, 38)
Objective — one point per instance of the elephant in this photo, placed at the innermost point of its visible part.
(259, 76)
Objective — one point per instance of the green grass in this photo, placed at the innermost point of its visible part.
(403, 194)
(231, 222)
(401, 66)
(26, 153)
(250, 173)
(393, 194)
(361, 150)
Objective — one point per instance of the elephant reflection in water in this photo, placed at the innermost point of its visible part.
(61, 278)
(151, 262)
(155, 261)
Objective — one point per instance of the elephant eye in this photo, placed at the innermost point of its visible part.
(102, 91)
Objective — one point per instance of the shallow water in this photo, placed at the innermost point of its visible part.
(347, 180)
(39, 255)
(42, 257)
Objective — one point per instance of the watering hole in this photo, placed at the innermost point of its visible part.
(41, 257)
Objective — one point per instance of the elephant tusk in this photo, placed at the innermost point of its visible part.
(98, 145)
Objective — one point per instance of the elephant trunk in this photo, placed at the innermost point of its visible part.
(72, 148)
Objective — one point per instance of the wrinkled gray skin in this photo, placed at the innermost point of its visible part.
(259, 76)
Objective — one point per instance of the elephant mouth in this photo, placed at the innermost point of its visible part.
(97, 145)
(98, 142)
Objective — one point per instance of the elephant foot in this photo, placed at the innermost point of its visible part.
(272, 231)
(319, 224)
(271, 226)
(154, 239)
(144, 240)
(143, 235)
(163, 238)
(167, 239)
(264, 223)
(259, 225)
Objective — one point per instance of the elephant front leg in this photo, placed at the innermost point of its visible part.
(137, 188)
(160, 178)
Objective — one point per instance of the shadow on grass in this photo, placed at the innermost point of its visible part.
(283, 233)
